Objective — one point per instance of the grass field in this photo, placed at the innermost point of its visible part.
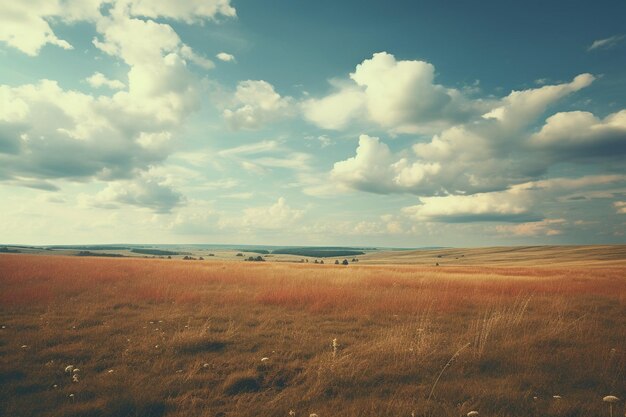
(155, 337)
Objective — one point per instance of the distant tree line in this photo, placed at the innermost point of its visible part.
(4, 249)
(317, 253)
(102, 255)
(157, 252)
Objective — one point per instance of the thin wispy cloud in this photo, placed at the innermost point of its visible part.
(606, 43)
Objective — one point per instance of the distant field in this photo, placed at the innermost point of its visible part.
(498, 330)
(507, 255)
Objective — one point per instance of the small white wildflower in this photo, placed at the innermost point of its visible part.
(205, 365)
(75, 378)
(292, 413)
(76, 370)
(265, 359)
(556, 397)
(472, 413)
(180, 371)
(313, 415)
(24, 346)
(611, 399)
(69, 369)
(4, 327)
(110, 371)
(55, 386)
(71, 395)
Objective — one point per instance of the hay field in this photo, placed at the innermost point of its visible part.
(157, 337)
(591, 255)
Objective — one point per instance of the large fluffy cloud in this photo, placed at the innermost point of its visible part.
(375, 169)
(516, 204)
(47, 132)
(400, 96)
(26, 25)
(582, 135)
(508, 206)
(487, 153)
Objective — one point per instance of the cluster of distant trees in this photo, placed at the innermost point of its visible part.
(344, 262)
(157, 252)
(103, 255)
(4, 249)
(317, 252)
(255, 259)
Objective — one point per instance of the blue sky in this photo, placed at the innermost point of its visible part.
(398, 124)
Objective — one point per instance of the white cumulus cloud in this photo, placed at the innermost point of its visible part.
(582, 134)
(226, 57)
(487, 153)
(97, 80)
(255, 104)
(50, 133)
(398, 95)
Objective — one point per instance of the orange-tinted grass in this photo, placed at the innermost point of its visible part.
(354, 289)
(178, 335)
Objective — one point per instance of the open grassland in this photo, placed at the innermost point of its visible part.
(601, 255)
(173, 338)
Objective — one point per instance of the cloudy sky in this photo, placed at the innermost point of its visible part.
(400, 123)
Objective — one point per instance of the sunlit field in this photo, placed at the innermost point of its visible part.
(87, 336)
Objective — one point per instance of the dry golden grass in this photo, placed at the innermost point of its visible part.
(175, 338)
(600, 255)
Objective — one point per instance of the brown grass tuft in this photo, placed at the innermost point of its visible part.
(241, 382)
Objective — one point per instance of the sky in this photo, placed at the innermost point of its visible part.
(355, 123)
